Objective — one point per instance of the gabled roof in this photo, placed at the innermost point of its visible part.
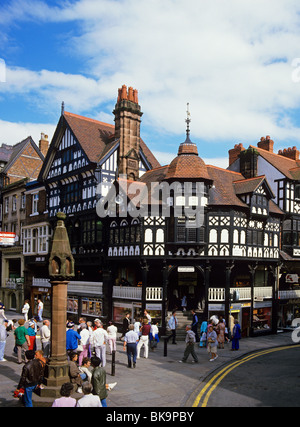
(17, 151)
(93, 136)
(288, 167)
(246, 186)
(97, 138)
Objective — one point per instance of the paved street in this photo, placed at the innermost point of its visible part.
(157, 381)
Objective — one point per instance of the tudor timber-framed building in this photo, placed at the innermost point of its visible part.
(235, 248)
(282, 170)
(84, 156)
(150, 261)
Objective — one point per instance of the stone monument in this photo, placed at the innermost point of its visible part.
(61, 271)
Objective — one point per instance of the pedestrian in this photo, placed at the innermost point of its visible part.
(172, 324)
(85, 369)
(195, 325)
(45, 334)
(90, 329)
(65, 401)
(203, 340)
(40, 309)
(203, 333)
(84, 341)
(212, 343)
(112, 336)
(89, 400)
(184, 303)
(220, 329)
(31, 377)
(22, 341)
(32, 336)
(11, 325)
(190, 340)
(147, 316)
(99, 380)
(72, 338)
(137, 326)
(25, 309)
(154, 338)
(3, 337)
(99, 339)
(81, 321)
(76, 377)
(40, 356)
(2, 312)
(130, 345)
(144, 339)
(126, 323)
(236, 335)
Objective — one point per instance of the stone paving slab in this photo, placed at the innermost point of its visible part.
(155, 382)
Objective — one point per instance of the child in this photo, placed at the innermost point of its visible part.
(203, 340)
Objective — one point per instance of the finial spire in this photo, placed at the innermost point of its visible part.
(62, 108)
(188, 121)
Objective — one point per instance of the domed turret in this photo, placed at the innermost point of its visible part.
(187, 164)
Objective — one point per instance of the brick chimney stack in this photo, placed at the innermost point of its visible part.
(291, 153)
(235, 152)
(44, 144)
(127, 129)
(266, 143)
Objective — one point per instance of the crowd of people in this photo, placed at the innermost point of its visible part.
(87, 344)
(213, 334)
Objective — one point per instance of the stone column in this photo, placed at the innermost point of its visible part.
(61, 270)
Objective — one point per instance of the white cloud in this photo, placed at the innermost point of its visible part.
(232, 61)
(11, 133)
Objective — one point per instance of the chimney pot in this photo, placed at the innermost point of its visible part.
(235, 152)
(130, 94)
(124, 92)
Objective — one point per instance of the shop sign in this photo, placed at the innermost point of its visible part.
(7, 239)
(216, 307)
(291, 278)
(186, 269)
(154, 307)
(262, 304)
(296, 252)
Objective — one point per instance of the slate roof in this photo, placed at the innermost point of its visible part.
(288, 167)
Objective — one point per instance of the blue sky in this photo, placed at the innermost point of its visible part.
(235, 62)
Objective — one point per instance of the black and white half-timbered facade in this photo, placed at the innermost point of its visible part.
(83, 158)
(282, 171)
(218, 243)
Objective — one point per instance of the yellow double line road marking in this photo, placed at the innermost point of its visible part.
(206, 392)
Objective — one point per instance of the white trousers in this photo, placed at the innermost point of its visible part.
(100, 352)
(144, 341)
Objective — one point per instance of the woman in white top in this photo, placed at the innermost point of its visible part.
(25, 310)
(112, 337)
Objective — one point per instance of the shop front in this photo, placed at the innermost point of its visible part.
(85, 299)
(121, 308)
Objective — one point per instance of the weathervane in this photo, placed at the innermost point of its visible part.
(188, 120)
